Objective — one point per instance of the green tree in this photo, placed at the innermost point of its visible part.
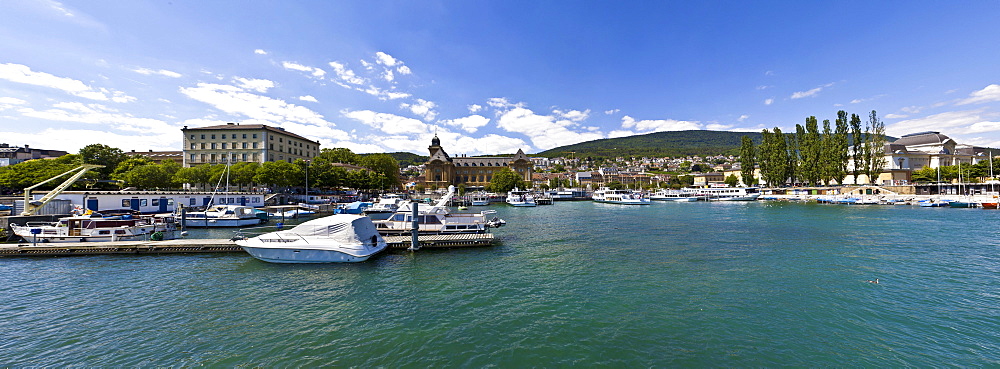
(795, 153)
(774, 158)
(840, 148)
(874, 147)
(198, 176)
(104, 155)
(243, 173)
(340, 155)
(147, 177)
(26, 174)
(385, 166)
(732, 180)
(129, 164)
(811, 152)
(857, 141)
(748, 160)
(278, 174)
(505, 180)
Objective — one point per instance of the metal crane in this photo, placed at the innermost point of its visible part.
(32, 206)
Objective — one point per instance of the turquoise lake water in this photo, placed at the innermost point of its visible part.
(572, 284)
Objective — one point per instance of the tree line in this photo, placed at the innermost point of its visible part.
(817, 157)
(378, 171)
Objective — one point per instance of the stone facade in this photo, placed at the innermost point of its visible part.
(442, 170)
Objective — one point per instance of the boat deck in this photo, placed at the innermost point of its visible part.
(437, 241)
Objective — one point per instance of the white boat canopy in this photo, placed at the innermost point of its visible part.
(346, 229)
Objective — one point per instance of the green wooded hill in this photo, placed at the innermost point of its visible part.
(406, 158)
(658, 144)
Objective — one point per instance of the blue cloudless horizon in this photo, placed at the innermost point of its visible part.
(488, 77)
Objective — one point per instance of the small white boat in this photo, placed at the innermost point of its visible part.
(623, 197)
(341, 238)
(520, 198)
(222, 216)
(90, 229)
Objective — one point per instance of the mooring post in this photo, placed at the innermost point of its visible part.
(414, 229)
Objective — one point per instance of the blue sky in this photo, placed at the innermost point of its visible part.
(489, 77)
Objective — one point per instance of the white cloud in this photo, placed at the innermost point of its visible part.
(389, 123)
(987, 94)
(763, 87)
(912, 109)
(72, 140)
(315, 72)
(259, 85)
(659, 125)
(469, 124)
(385, 59)
(308, 98)
(10, 103)
(621, 133)
(346, 75)
(98, 114)
(768, 101)
(810, 93)
(896, 116)
(502, 103)
(422, 108)
(367, 65)
(718, 127)
(544, 131)
(237, 100)
(162, 72)
(952, 123)
(388, 76)
(404, 70)
(474, 108)
(260, 52)
(573, 115)
(769, 73)
(612, 111)
(23, 74)
(742, 118)
(855, 101)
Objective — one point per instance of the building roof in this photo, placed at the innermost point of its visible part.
(923, 138)
(237, 126)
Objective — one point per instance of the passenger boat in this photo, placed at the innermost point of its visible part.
(222, 216)
(100, 229)
(624, 197)
(932, 203)
(570, 195)
(729, 193)
(437, 219)
(479, 199)
(520, 198)
(341, 238)
(674, 195)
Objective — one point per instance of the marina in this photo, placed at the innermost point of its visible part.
(700, 286)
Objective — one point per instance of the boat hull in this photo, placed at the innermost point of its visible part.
(300, 256)
(211, 223)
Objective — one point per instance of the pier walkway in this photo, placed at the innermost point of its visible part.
(189, 245)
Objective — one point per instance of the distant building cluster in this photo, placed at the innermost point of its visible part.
(10, 155)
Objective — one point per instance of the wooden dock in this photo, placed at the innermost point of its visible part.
(189, 245)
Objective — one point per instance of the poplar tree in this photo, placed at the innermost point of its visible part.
(773, 158)
(795, 153)
(840, 152)
(810, 151)
(748, 160)
(874, 147)
(857, 153)
(827, 154)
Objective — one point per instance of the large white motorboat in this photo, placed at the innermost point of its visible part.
(94, 229)
(332, 239)
(729, 193)
(684, 195)
(624, 197)
(437, 219)
(387, 203)
(223, 216)
(520, 198)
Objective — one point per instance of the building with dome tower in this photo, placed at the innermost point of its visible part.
(442, 170)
